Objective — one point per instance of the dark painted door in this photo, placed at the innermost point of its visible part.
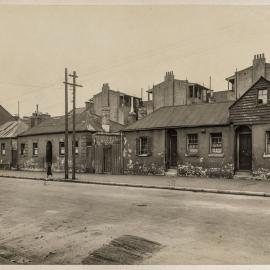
(49, 152)
(107, 159)
(245, 151)
(173, 150)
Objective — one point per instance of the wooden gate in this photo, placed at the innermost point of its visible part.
(116, 159)
(104, 159)
(14, 158)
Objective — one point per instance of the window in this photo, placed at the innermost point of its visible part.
(192, 143)
(22, 148)
(35, 149)
(143, 146)
(76, 148)
(3, 149)
(262, 97)
(61, 148)
(216, 143)
(267, 150)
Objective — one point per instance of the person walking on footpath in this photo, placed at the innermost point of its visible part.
(49, 172)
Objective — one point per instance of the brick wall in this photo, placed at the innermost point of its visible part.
(30, 162)
(5, 160)
(154, 164)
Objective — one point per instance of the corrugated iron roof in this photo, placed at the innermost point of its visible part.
(84, 122)
(12, 129)
(206, 114)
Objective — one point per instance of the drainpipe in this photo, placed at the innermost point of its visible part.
(235, 84)
(121, 149)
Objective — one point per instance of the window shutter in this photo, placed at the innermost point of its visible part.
(149, 146)
(137, 146)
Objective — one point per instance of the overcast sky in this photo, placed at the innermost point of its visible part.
(129, 47)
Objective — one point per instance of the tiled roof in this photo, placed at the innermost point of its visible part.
(84, 122)
(12, 129)
(206, 114)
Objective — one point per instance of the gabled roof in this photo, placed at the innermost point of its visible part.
(12, 129)
(84, 122)
(259, 80)
(5, 116)
(195, 115)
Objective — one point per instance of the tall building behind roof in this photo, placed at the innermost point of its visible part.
(173, 92)
(118, 106)
(243, 79)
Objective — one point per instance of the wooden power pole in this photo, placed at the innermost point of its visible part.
(66, 123)
(74, 85)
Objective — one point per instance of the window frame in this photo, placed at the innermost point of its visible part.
(22, 149)
(147, 147)
(61, 148)
(258, 91)
(3, 149)
(76, 147)
(141, 153)
(188, 144)
(267, 136)
(35, 148)
(211, 144)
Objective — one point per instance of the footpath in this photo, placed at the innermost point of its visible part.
(249, 187)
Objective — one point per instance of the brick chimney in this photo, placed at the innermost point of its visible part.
(169, 76)
(89, 106)
(258, 67)
(105, 95)
(132, 115)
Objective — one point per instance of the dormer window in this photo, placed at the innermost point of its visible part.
(262, 97)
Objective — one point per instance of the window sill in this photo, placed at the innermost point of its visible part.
(143, 155)
(221, 155)
(266, 155)
(191, 154)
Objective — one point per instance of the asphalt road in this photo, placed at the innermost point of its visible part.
(60, 223)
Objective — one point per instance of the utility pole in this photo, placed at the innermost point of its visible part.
(66, 123)
(18, 109)
(74, 85)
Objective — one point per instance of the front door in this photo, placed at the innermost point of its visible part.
(49, 152)
(172, 145)
(107, 159)
(245, 151)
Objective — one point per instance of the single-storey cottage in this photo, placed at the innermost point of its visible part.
(8, 143)
(214, 139)
(45, 142)
(193, 139)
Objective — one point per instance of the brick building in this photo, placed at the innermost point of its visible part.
(172, 137)
(173, 92)
(8, 142)
(243, 79)
(250, 118)
(216, 139)
(116, 104)
(45, 142)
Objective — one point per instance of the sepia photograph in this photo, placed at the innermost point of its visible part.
(134, 133)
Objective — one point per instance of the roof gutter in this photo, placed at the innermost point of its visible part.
(175, 127)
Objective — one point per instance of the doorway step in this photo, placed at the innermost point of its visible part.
(243, 175)
(171, 172)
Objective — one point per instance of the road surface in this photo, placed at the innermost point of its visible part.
(60, 223)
